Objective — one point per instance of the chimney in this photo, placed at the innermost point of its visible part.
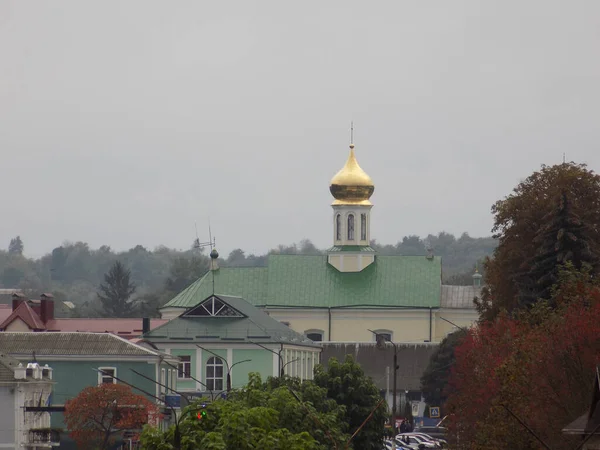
(429, 253)
(46, 307)
(17, 299)
(20, 373)
(145, 325)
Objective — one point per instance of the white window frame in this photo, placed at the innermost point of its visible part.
(351, 229)
(214, 362)
(338, 227)
(102, 376)
(315, 331)
(163, 380)
(183, 363)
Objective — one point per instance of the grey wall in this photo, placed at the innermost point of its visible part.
(7, 415)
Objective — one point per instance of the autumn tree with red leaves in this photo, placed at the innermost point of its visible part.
(538, 364)
(99, 415)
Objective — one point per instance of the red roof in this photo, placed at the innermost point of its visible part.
(127, 328)
(27, 315)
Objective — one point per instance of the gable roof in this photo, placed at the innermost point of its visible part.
(459, 296)
(310, 281)
(70, 344)
(253, 326)
(27, 315)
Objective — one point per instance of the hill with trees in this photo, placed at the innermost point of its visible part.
(74, 272)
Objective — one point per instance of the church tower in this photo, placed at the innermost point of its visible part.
(352, 188)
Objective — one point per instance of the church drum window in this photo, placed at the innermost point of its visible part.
(363, 227)
(338, 227)
(214, 374)
(350, 227)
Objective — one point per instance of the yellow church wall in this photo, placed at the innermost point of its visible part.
(354, 325)
(464, 318)
(335, 261)
(350, 263)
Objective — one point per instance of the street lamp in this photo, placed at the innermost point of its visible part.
(381, 341)
(226, 364)
(282, 366)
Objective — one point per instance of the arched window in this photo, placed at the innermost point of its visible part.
(214, 374)
(350, 227)
(338, 227)
(363, 227)
(314, 335)
(387, 335)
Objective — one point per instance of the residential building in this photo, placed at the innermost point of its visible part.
(38, 315)
(80, 360)
(226, 337)
(25, 385)
(587, 426)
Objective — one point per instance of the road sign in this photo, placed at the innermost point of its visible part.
(434, 412)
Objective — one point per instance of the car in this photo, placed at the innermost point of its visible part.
(442, 442)
(436, 432)
(416, 441)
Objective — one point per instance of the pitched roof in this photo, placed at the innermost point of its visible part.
(27, 315)
(459, 296)
(127, 328)
(309, 281)
(7, 368)
(253, 325)
(70, 344)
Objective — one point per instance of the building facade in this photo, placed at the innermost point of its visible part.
(22, 386)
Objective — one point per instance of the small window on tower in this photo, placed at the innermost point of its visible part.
(338, 228)
(351, 227)
(363, 227)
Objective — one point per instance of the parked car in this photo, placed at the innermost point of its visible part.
(417, 441)
(436, 432)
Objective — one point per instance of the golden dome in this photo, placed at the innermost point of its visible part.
(351, 185)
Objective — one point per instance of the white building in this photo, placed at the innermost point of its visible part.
(24, 386)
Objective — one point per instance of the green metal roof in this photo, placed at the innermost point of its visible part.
(255, 326)
(309, 281)
(351, 248)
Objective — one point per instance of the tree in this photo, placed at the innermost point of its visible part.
(562, 238)
(434, 381)
(116, 292)
(347, 384)
(16, 246)
(538, 363)
(517, 220)
(265, 416)
(184, 271)
(98, 415)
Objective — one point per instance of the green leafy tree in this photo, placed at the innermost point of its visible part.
(347, 384)
(16, 246)
(184, 271)
(263, 416)
(116, 291)
(434, 381)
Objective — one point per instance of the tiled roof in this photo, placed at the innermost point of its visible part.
(459, 296)
(7, 368)
(309, 281)
(413, 358)
(351, 248)
(27, 315)
(69, 344)
(254, 326)
(127, 328)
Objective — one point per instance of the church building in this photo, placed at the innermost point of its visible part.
(351, 292)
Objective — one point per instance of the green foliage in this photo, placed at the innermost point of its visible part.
(116, 292)
(262, 416)
(347, 384)
(434, 381)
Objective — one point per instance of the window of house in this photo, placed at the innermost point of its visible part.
(214, 374)
(106, 374)
(350, 227)
(314, 335)
(363, 227)
(185, 367)
(338, 227)
(383, 334)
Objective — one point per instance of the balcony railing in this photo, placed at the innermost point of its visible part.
(46, 436)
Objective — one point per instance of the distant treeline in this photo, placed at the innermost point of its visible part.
(73, 271)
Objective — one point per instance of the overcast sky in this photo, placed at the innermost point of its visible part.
(124, 122)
